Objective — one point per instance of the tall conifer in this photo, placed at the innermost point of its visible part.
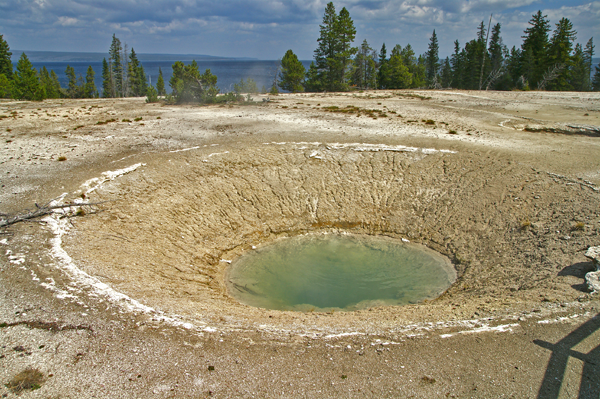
(89, 89)
(559, 54)
(588, 55)
(72, 89)
(534, 60)
(160, 83)
(596, 79)
(291, 77)
(345, 33)
(116, 67)
(26, 81)
(432, 59)
(382, 72)
(6, 67)
(107, 90)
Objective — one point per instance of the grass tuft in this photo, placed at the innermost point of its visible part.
(28, 379)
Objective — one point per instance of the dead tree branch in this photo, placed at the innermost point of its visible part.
(43, 210)
(551, 74)
(493, 76)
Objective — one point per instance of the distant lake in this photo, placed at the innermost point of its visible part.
(228, 72)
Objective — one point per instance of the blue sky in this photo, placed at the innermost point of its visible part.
(265, 29)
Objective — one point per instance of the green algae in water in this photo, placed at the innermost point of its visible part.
(322, 272)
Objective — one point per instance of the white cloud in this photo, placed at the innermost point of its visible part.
(67, 21)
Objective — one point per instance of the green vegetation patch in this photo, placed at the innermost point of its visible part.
(351, 109)
(28, 379)
(106, 122)
(413, 95)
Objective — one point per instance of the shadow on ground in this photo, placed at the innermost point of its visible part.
(561, 351)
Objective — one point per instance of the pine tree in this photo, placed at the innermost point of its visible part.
(89, 89)
(457, 63)
(364, 73)
(559, 54)
(189, 86)
(481, 53)
(596, 79)
(326, 50)
(419, 78)
(432, 59)
(382, 72)
(496, 48)
(133, 77)
(6, 86)
(107, 90)
(497, 51)
(26, 81)
(6, 67)
(116, 68)
(334, 51)
(74, 90)
(143, 79)
(136, 76)
(577, 78)
(513, 66)
(160, 83)
(588, 54)
(472, 64)
(416, 69)
(56, 84)
(291, 77)
(446, 73)
(399, 75)
(345, 33)
(313, 82)
(47, 81)
(534, 59)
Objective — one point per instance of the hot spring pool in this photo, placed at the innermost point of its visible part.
(324, 272)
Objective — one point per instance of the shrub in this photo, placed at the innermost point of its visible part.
(28, 379)
(151, 95)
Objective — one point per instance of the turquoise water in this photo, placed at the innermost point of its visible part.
(323, 272)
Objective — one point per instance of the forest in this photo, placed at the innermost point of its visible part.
(546, 60)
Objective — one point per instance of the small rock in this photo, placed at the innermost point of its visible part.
(592, 280)
(594, 254)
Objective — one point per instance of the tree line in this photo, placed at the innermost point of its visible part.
(122, 76)
(543, 62)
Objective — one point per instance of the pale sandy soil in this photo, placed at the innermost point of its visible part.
(503, 184)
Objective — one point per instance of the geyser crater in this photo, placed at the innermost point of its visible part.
(177, 221)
